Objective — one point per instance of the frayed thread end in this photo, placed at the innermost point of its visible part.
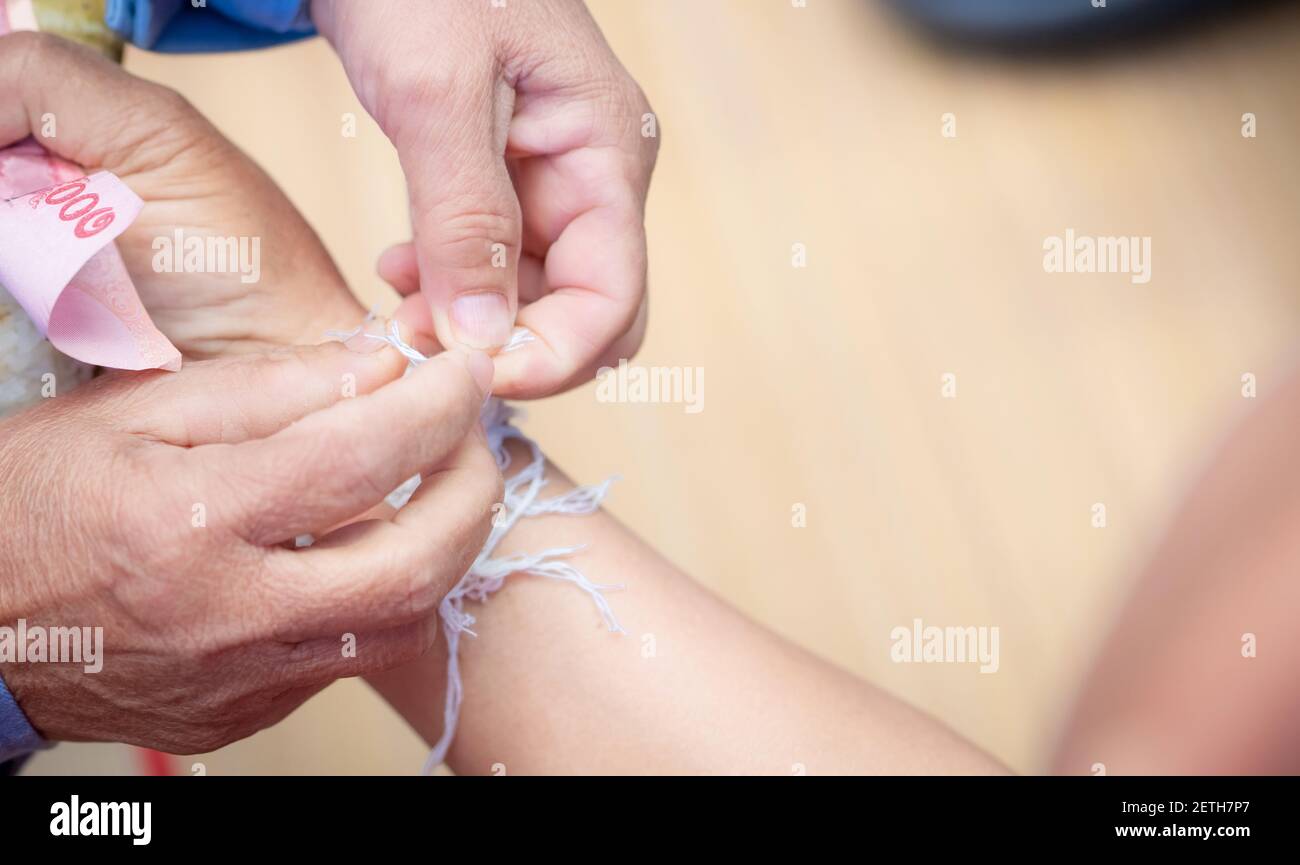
(521, 499)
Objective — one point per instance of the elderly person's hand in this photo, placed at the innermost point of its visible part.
(528, 151)
(163, 508)
(193, 181)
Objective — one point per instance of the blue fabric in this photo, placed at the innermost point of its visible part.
(17, 737)
(220, 25)
(1035, 18)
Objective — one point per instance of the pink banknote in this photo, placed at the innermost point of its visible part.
(57, 259)
(16, 15)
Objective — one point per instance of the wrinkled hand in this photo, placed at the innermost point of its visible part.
(162, 507)
(528, 152)
(191, 178)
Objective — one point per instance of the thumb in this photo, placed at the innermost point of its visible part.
(466, 213)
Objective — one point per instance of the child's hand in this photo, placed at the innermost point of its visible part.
(192, 180)
(528, 151)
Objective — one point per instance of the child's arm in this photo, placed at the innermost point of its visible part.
(692, 687)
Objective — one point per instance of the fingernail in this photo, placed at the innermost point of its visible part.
(481, 320)
(482, 368)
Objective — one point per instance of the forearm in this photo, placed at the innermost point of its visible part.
(692, 687)
(1199, 675)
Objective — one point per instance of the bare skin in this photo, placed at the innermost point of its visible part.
(157, 505)
(693, 687)
(1199, 675)
(528, 150)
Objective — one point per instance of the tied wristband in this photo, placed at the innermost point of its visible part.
(522, 499)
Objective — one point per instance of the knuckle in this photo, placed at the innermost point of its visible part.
(171, 102)
(434, 82)
(175, 131)
(468, 237)
(165, 103)
(441, 86)
(284, 370)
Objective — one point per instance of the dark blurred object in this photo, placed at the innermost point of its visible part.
(1030, 24)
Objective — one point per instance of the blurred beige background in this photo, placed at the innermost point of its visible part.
(821, 126)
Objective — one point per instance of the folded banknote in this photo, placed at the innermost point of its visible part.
(58, 260)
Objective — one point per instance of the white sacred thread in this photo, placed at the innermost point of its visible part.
(487, 575)
(518, 339)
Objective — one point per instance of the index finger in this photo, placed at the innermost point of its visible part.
(338, 462)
